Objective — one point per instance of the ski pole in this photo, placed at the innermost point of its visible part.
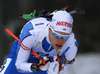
(16, 38)
(9, 32)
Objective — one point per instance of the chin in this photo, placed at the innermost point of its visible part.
(58, 49)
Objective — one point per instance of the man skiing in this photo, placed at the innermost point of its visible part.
(47, 39)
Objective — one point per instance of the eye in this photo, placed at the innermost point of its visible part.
(57, 36)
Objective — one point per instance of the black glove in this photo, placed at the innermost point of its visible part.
(37, 65)
(34, 67)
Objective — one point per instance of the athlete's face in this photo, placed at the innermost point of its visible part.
(57, 43)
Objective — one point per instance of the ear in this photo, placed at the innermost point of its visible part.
(49, 29)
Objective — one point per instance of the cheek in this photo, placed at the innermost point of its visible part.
(52, 38)
(55, 39)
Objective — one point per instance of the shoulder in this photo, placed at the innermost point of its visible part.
(34, 27)
(39, 24)
(39, 20)
(36, 23)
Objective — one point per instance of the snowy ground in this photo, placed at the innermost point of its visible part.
(85, 64)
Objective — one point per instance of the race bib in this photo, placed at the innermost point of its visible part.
(5, 65)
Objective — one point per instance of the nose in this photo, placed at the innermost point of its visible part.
(60, 40)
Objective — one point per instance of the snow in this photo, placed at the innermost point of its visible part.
(85, 64)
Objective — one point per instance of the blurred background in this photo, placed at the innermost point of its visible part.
(86, 28)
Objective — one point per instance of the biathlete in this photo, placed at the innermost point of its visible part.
(46, 38)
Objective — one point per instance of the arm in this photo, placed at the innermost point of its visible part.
(23, 55)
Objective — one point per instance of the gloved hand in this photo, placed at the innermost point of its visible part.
(53, 68)
(41, 64)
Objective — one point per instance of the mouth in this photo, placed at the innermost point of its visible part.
(58, 46)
